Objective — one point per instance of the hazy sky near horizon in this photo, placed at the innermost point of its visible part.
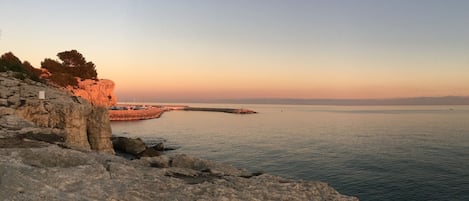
(215, 49)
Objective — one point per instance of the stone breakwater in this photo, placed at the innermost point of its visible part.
(132, 115)
(225, 110)
(156, 111)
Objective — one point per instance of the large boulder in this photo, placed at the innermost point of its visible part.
(149, 152)
(135, 147)
(129, 145)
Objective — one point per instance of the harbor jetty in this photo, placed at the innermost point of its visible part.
(142, 112)
(225, 110)
(132, 115)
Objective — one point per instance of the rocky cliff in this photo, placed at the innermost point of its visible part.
(98, 92)
(82, 125)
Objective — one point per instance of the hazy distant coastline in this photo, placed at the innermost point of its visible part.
(444, 100)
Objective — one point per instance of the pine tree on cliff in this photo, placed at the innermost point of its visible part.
(73, 65)
(77, 65)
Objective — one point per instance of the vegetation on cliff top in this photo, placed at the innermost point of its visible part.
(72, 65)
(23, 70)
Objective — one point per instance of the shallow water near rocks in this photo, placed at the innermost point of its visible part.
(373, 152)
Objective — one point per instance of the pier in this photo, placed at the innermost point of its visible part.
(133, 112)
(225, 110)
(132, 115)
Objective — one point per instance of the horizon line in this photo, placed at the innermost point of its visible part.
(424, 100)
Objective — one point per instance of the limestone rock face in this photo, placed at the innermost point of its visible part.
(98, 92)
(84, 126)
(99, 130)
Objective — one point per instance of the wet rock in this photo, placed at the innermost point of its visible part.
(149, 152)
(159, 147)
(162, 147)
(135, 148)
(189, 162)
(129, 145)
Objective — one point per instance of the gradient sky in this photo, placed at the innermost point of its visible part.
(215, 49)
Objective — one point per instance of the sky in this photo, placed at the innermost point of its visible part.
(220, 49)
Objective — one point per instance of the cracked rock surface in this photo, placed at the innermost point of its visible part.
(49, 172)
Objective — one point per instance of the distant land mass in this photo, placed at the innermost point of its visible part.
(445, 100)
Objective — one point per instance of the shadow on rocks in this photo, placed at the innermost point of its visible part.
(30, 140)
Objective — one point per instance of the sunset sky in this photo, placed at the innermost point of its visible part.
(215, 49)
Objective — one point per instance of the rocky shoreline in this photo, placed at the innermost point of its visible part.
(49, 172)
(60, 149)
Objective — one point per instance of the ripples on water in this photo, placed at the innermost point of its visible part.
(375, 152)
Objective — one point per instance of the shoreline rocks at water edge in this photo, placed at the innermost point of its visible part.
(60, 149)
(135, 148)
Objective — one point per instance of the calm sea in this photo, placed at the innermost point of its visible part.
(373, 152)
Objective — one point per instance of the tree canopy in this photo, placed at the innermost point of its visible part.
(9, 62)
(72, 65)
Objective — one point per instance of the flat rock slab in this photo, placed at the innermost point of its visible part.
(16, 142)
(54, 173)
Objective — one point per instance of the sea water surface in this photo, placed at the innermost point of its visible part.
(373, 152)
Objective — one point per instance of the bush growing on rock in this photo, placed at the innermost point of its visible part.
(33, 73)
(23, 70)
(9, 62)
(53, 66)
(63, 79)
